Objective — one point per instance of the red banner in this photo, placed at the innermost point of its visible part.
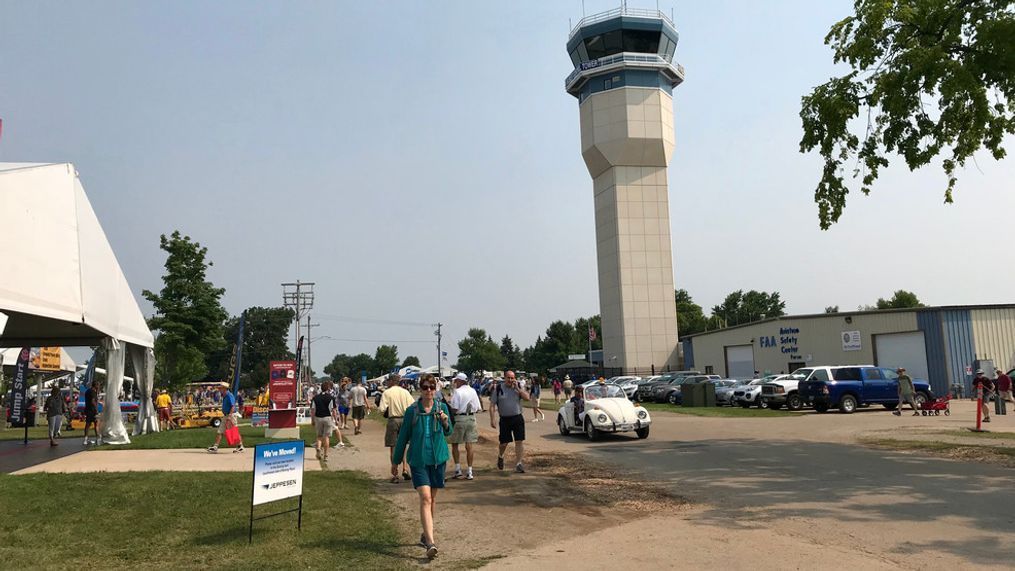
(282, 384)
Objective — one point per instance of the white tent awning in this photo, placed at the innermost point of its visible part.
(61, 283)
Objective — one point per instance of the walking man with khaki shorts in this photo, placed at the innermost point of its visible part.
(394, 401)
(464, 406)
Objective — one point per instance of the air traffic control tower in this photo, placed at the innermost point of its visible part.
(624, 78)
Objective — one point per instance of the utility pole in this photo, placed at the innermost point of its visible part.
(298, 296)
(310, 364)
(438, 334)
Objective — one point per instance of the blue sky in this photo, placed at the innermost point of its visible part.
(420, 161)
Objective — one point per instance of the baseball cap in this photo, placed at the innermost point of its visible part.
(461, 377)
(979, 371)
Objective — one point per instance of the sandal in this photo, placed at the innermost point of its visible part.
(405, 476)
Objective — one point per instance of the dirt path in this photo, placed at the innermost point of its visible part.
(501, 513)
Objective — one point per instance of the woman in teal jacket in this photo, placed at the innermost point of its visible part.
(424, 428)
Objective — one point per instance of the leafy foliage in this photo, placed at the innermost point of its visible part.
(902, 299)
(512, 354)
(412, 361)
(264, 340)
(352, 366)
(188, 313)
(928, 76)
(690, 316)
(386, 358)
(832, 309)
(740, 307)
(478, 352)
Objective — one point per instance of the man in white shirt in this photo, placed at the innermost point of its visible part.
(464, 406)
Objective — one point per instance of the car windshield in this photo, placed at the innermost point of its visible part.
(800, 374)
(604, 392)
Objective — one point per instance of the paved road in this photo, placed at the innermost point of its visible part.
(800, 479)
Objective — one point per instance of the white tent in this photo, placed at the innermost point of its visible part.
(61, 284)
(10, 356)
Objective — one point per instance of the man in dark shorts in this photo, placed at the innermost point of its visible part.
(507, 398)
(92, 412)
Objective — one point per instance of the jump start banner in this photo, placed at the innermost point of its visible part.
(278, 471)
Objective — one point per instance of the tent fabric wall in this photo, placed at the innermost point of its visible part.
(67, 284)
(143, 360)
(113, 430)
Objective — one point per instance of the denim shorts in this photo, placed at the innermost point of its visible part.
(432, 476)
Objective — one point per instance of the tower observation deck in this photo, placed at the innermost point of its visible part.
(623, 78)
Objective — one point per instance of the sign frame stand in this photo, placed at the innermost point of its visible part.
(253, 486)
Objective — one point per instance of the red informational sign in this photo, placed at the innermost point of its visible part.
(282, 384)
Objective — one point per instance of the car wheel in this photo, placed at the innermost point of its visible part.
(891, 406)
(794, 402)
(591, 431)
(848, 404)
(745, 404)
(562, 425)
(821, 407)
(672, 398)
(762, 404)
(921, 398)
(216, 422)
(642, 433)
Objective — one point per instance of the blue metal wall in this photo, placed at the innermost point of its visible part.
(957, 326)
(937, 362)
(688, 354)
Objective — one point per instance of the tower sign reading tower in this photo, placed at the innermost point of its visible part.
(624, 78)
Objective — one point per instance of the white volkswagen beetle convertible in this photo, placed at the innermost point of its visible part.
(605, 408)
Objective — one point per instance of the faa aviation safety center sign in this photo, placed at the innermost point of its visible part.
(278, 471)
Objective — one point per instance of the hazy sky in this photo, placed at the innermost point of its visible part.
(420, 161)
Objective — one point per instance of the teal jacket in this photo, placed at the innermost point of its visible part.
(412, 433)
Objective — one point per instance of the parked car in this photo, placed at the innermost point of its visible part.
(629, 384)
(607, 409)
(645, 390)
(749, 394)
(724, 391)
(783, 390)
(672, 393)
(853, 386)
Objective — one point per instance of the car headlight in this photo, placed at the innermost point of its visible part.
(642, 414)
(601, 417)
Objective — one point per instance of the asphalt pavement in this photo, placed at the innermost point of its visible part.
(806, 478)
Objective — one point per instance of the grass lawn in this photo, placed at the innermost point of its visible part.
(718, 411)
(202, 438)
(984, 435)
(34, 433)
(949, 448)
(191, 520)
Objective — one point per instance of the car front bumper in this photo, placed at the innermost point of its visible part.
(622, 426)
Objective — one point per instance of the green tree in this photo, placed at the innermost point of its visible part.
(552, 349)
(386, 358)
(340, 366)
(832, 309)
(690, 316)
(478, 352)
(927, 77)
(902, 299)
(411, 361)
(511, 353)
(188, 313)
(740, 307)
(358, 364)
(265, 334)
(581, 330)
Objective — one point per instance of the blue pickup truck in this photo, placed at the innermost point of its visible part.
(852, 386)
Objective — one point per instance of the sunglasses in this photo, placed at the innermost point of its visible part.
(427, 388)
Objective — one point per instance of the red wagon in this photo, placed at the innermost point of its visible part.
(936, 406)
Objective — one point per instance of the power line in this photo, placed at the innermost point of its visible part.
(372, 321)
(375, 340)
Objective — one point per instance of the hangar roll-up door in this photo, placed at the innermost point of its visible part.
(740, 361)
(902, 350)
